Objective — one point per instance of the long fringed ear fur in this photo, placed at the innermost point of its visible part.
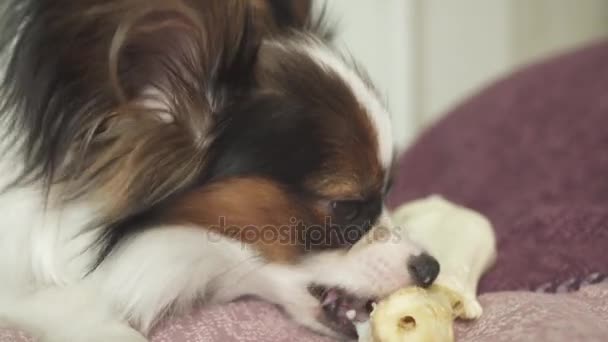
(120, 99)
(173, 72)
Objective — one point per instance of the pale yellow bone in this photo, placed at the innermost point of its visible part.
(463, 242)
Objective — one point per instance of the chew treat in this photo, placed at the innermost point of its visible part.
(463, 242)
(461, 239)
(415, 314)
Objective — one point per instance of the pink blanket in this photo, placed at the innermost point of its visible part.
(508, 316)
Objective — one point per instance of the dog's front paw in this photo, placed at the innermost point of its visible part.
(306, 310)
(328, 311)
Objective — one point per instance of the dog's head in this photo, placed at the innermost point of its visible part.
(237, 117)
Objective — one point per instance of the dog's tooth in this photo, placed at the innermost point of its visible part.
(351, 314)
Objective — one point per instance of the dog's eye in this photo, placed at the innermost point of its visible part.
(346, 211)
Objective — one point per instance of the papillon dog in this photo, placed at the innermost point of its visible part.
(157, 154)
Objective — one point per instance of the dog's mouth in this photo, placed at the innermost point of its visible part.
(341, 310)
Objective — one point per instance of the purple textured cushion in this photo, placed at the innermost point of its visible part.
(508, 316)
(13, 335)
(241, 321)
(527, 316)
(531, 153)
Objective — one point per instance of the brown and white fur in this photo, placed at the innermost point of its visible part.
(146, 147)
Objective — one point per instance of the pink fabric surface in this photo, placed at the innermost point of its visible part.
(529, 316)
(12, 335)
(249, 320)
(508, 316)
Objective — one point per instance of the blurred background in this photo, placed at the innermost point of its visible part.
(427, 55)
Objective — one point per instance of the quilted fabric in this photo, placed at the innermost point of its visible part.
(242, 321)
(526, 316)
(508, 316)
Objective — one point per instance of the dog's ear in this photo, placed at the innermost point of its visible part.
(172, 68)
(177, 49)
(118, 100)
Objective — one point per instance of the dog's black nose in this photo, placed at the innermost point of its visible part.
(423, 269)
